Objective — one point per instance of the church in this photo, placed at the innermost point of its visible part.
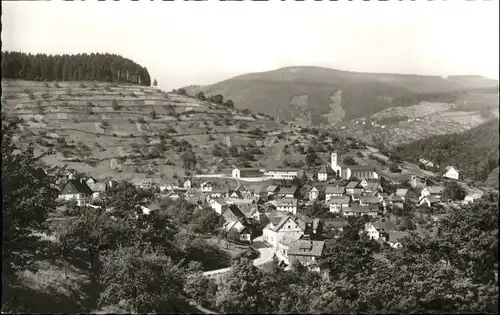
(353, 171)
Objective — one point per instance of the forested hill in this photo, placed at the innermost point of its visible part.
(81, 67)
(474, 152)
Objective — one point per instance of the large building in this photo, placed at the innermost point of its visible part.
(335, 165)
(283, 173)
(246, 172)
(360, 172)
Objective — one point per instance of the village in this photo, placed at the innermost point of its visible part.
(293, 211)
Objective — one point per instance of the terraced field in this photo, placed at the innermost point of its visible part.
(116, 130)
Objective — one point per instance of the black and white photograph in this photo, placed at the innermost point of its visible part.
(250, 157)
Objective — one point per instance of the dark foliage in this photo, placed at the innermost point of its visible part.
(88, 67)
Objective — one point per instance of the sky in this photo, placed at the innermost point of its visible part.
(185, 42)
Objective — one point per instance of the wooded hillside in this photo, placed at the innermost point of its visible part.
(474, 152)
(81, 67)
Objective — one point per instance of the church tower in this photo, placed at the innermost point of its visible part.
(335, 166)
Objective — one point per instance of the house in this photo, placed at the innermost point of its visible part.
(76, 190)
(332, 191)
(427, 163)
(394, 238)
(369, 201)
(451, 172)
(352, 188)
(282, 250)
(305, 251)
(287, 192)
(235, 194)
(187, 184)
(395, 201)
(357, 211)
(219, 205)
(256, 190)
(337, 203)
(206, 186)
(244, 231)
(280, 227)
(325, 172)
(97, 189)
(360, 172)
(246, 172)
(428, 200)
(283, 173)
(335, 225)
(250, 211)
(315, 193)
(219, 192)
(287, 204)
(272, 190)
(373, 188)
(378, 229)
(435, 191)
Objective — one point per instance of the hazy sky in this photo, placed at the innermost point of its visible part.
(184, 43)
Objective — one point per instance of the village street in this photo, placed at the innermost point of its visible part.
(266, 255)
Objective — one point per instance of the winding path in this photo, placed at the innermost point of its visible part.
(266, 255)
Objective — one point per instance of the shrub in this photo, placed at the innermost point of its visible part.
(153, 115)
(132, 94)
(83, 86)
(56, 85)
(114, 104)
(104, 123)
(115, 135)
(141, 120)
(69, 91)
(31, 96)
(46, 85)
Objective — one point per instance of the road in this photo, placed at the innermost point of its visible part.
(266, 255)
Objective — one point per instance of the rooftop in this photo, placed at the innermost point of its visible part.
(306, 248)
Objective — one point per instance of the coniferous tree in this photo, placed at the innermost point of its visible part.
(93, 67)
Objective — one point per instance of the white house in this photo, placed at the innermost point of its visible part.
(378, 229)
(218, 205)
(451, 172)
(280, 227)
(206, 186)
(337, 203)
(287, 204)
(187, 184)
(357, 211)
(313, 194)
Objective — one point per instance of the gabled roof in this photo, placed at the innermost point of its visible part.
(248, 210)
(289, 190)
(361, 168)
(358, 209)
(385, 226)
(220, 201)
(430, 198)
(271, 188)
(352, 185)
(369, 199)
(395, 198)
(235, 210)
(97, 187)
(286, 202)
(313, 188)
(339, 200)
(372, 186)
(276, 223)
(395, 236)
(435, 189)
(306, 248)
(336, 223)
(335, 190)
(401, 192)
(325, 169)
(78, 187)
(449, 167)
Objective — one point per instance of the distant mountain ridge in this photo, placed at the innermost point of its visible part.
(363, 94)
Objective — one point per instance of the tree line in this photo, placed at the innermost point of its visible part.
(80, 67)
